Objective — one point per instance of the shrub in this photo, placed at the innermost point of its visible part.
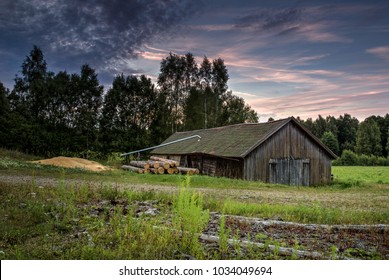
(349, 158)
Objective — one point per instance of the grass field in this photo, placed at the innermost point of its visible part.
(56, 213)
(366, 174)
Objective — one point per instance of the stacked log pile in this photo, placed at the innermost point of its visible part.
(157, 165)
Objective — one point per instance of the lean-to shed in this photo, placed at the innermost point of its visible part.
(281, 152)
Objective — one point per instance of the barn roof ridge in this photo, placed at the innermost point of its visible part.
(232, 125)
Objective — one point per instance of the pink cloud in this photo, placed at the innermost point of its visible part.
(382, 52)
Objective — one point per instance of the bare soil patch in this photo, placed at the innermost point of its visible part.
(70, 162)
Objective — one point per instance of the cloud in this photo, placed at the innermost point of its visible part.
(262, 19)
(381, 52)
(313, 24)
(99, 30)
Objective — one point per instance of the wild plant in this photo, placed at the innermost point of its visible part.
(189, 219)
(223, 237)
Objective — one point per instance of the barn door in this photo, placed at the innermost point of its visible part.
(289, 171)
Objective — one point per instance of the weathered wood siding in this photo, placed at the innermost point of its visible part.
(289, 171)
(293, 143)
(214, 166)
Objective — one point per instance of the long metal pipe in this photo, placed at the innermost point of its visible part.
(164, 144)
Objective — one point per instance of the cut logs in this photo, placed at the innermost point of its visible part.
(133, 168)
(159, 170)
(172, 163)
(140, 164)
(190, 171)
(157, 165)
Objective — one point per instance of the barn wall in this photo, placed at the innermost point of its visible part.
(288, 142)
(216, 166)
(211, 165)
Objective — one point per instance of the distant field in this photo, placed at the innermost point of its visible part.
(369, 174)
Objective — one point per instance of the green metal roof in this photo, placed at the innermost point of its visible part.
(229, 141)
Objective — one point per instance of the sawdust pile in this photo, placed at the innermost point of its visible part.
(74, 163)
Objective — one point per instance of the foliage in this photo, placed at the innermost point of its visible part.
(52, 114)
(197, 95)
(368, 138)
(129, 109)
(371, 134)
(189, 218)
(330, 141)
(349, 158)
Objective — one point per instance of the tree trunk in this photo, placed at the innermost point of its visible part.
(133, 168)
(140, 164)
(190, 171)
(159, 170)
(172, 163)
(156, 164)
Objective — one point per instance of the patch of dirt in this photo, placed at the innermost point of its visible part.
(74, 163)
(327, 241)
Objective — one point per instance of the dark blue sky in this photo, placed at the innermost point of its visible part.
(300, 58)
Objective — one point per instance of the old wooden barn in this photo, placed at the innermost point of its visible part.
(283, 152)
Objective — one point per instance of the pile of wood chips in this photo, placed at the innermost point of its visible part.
(71, 162)
(157, 165)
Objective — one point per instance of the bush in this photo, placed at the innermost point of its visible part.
(349, 158)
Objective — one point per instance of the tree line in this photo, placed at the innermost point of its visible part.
(355, 142)
(63, 113)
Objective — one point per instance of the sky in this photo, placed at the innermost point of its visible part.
(284, 57)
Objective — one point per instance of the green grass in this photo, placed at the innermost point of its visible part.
(95, 217)
(365, 174)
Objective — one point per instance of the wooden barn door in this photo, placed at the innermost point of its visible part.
(289, 171)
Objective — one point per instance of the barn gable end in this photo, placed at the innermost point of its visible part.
(293, 144)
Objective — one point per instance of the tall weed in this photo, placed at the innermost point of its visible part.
(189, 218)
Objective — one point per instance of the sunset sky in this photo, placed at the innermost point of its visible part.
(285, 58)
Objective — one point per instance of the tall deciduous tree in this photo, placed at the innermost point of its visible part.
(235, 110)
(219, 89)
(4, 116)
(30, 92)
(128, 114)
(330, 140)
(369, 138)
(205, 78)
(89, 94)
(347, 132)
(387, 144)
(172, 82)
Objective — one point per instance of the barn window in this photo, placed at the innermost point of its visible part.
(289, 171)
